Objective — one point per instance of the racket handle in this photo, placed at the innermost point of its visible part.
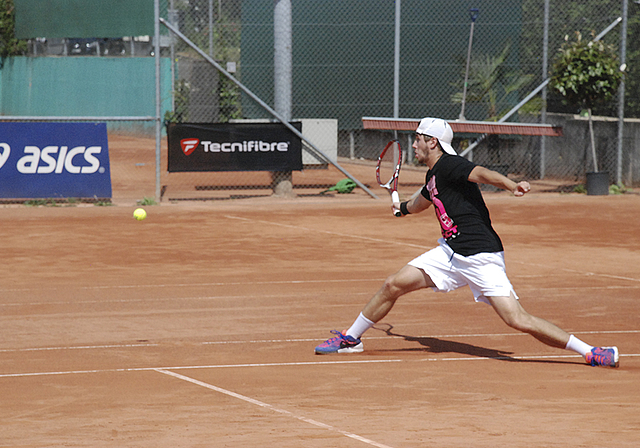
(395, 198)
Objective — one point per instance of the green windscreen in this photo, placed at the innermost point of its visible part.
(343, 56)
(83, 18)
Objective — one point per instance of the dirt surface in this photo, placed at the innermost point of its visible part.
(196, 327)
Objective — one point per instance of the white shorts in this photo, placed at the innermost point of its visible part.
(485, 273)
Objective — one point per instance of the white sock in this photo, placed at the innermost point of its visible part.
(578, 346)
(361, 325)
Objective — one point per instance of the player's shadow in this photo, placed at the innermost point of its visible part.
(436, 345)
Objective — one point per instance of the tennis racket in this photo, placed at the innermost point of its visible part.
(388, 169)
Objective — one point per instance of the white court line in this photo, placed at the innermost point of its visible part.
(194, 285)
(281, 341)
(287, 282)
(201, 367)
(281, 295)
(433, 336)
(78, 347)
(576, 271)
(291, 364)
(176, 299)
(273, 408)
(387, 242)
(306, 229)
(409, 245)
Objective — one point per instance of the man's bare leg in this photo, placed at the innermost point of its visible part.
(514, 315)
(407, 279)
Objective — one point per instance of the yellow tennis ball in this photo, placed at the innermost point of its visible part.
(139, 214)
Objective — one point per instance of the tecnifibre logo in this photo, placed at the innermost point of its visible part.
(189, 145)
(55, 159)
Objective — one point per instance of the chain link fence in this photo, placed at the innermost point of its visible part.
(344, 68)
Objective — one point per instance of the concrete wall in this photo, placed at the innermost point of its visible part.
(568, 158)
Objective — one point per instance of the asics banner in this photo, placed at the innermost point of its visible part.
(54, 160)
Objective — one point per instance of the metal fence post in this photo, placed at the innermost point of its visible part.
(621, 89)
(282, 67)
(158, 133)
(545, 69)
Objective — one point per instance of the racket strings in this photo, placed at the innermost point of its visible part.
(387, 165)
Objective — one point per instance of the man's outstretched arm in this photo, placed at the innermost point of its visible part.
(482, 175)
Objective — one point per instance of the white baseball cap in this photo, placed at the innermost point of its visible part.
(440, 129)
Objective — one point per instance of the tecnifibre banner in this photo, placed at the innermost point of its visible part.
(234, 147)
(54, 160)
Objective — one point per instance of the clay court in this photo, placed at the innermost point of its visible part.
(197, 326)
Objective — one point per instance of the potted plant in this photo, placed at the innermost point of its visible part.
(587, 74)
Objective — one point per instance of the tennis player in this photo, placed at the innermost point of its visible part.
(469, 253)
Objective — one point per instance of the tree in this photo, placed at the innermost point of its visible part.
(493, 82)
(585, 16)
(586, 74)
(9, 45)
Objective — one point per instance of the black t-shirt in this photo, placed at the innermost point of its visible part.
(463, 216)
